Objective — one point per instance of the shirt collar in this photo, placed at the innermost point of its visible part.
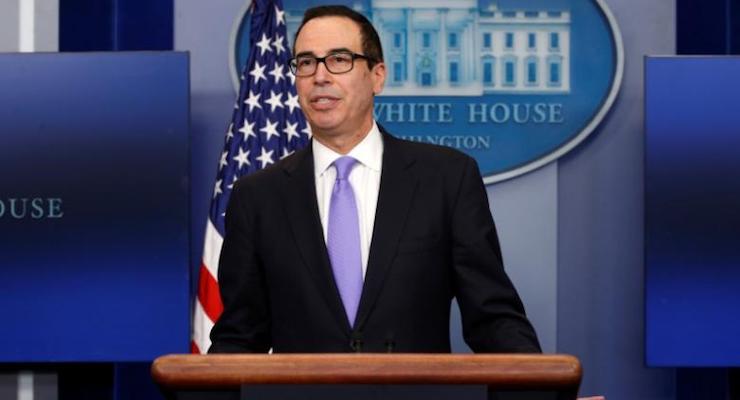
(369, 152)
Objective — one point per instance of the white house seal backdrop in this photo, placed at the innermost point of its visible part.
(515, 84)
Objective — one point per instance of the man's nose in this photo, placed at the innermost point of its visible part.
(322, 74)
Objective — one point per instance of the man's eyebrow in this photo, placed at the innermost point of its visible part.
(338, 50)
(305, 53)
(312, 54)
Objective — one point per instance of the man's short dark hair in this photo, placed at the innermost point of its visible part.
(369, 36)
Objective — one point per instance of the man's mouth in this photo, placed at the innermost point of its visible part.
(324, 102)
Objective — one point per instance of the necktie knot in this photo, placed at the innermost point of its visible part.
(344, 167)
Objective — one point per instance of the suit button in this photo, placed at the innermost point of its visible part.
(356, 343)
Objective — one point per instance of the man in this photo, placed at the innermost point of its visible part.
(360, 241)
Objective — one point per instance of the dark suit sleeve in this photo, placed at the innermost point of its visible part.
(244, 325)
(493, 315)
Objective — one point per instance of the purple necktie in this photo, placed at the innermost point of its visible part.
(343, 238)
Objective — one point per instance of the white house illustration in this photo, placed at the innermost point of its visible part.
(454, 47)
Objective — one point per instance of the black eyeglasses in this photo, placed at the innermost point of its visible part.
(336, 63)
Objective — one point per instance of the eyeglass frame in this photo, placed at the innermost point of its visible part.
(353, 55)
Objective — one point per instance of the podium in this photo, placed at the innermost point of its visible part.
(233, 375)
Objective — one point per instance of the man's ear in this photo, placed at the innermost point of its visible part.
(378, 74)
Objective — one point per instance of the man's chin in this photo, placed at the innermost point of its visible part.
(325, 128)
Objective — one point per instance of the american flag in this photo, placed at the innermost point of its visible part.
(267, 125)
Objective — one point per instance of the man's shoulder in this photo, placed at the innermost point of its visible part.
(273, 173)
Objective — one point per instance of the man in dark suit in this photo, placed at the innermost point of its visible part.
(360, 241)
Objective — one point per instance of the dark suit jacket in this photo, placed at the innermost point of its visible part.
(433, 239)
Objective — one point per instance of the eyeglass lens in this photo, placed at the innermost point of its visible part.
(336, 63)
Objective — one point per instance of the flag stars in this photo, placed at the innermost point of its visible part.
(292, 102)
(291, 130)
(253, 100)
(242, 158)
(307, 131)
(270, 130)
(274, 101)
(277, 73)
(278, 44)
(266, 157)
(247, 130)
(233, 181)
(291, 77)
(217, 190)
(264, 44)
(230, 132)
(286, 153)
(279, 17)
(258, 72)
(223, 162)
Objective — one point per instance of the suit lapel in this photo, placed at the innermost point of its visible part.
(397, 187)
(299, 194)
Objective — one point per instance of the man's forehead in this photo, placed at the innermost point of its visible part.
(324, 34)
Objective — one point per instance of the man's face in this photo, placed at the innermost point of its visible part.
(337, 105)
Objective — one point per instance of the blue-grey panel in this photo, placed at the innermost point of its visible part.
(692, 212)
(95, 261)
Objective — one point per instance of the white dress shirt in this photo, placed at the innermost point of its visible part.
(364, 178)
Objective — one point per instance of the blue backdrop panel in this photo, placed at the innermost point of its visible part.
(98, 25)
(95, 259)
(692, 176)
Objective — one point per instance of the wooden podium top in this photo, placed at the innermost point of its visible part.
(500, 371)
